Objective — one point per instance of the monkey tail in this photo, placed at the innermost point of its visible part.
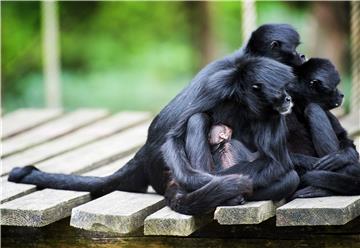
(339, 183)
(131, 177)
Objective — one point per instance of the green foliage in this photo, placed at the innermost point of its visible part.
(120, 55)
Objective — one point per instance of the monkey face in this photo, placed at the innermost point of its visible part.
(265, 81)
(318, 81)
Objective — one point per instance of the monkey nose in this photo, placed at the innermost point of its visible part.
(288, 98)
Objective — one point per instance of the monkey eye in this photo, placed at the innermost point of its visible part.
(275, 44)
(256, 87)
(314, 82)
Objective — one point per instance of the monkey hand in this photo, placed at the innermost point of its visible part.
(333, 161)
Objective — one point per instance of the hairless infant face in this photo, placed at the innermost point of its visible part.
(219, 133)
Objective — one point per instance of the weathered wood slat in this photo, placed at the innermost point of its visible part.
(51, 130)
(12, 191)
(124, 142)
(118, 212)
(96, 154)
(41, 208)
(351, 123)
(249, 213)
(170, 223)
(332, 210)
(110, 168)
(96, 131)
(25, 119)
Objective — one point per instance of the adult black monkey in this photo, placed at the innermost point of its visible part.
(276, 41)
(252, 88)
(213, 85)
(316, 133)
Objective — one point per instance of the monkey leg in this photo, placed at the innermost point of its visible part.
(217, 192)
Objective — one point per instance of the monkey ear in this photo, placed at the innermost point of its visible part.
(275, 44)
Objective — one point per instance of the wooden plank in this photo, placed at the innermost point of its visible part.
(24, 119)
(10, 191)
(249, 213)
(124, 142)
(332, 210)
(168, 222)
(351, 123)
(41, 208)
(96, 154)
(110, 168)
(52, 130)
(118, 212)
(93, 132)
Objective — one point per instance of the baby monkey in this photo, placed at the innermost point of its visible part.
(225, 150)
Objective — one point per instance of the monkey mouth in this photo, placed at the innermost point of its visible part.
(285, 110)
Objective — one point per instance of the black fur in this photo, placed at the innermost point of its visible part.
(322, 153)
(225, 91)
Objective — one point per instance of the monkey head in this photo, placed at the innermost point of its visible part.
(317, 83)
(276, 41)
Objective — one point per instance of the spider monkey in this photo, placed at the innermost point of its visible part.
(225, 150)
(314, 132)
(252, 90)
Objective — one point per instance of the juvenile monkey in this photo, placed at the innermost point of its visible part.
(225, 150)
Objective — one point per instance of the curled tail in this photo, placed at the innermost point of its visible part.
(130, 177)
(337, 182)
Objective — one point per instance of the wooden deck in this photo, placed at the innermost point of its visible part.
(94, 142)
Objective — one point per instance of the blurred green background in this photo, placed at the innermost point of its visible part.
(139, 55)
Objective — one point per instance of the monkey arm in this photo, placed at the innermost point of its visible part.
(325, 133)
(196, 142)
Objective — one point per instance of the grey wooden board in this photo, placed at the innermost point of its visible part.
(10, 191)
(351, 123)
(332, 210)
(25, 119)
(41, 208)
(90, 133)
(170, 223)
(96, 154)
(118, 212)
(124, 141)
(249, 213)
(110, 168)
(52, 130)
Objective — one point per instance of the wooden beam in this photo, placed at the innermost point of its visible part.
(249, 213)
(332, 210)
(119, 212)
(170, 223)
